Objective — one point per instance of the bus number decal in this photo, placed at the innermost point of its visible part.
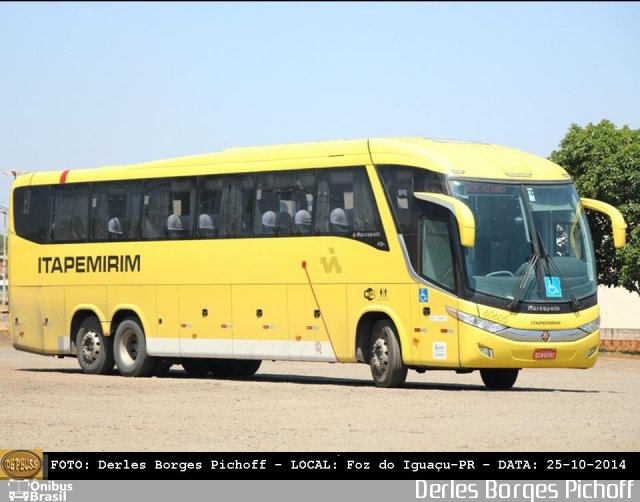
(496, 317)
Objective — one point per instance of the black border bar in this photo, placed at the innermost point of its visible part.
(334, 465)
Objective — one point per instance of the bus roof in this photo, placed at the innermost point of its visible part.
(455, 158)
(466, 159)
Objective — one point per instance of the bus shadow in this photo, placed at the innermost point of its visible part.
(317, 380)
(68, 371)
(347, 382)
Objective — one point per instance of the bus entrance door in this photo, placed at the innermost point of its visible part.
(435, 333)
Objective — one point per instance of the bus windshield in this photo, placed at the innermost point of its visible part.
(532, 242)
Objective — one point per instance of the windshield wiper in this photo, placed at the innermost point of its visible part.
(523, 284)
(552, 266)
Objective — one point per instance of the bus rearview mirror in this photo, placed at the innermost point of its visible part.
(464, 216)
(618, 225)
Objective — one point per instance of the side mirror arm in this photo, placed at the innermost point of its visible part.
(618, 225)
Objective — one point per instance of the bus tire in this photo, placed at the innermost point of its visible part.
(93, 349)
(162, 368)
(499, 379)
(234, 368)
(248, 367)
(196, 367)
(130, 350)
(387, 368)
(222, 368)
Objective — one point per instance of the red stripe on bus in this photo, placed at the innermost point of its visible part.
(63, 176)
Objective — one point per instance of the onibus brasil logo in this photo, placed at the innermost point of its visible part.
(33, 490)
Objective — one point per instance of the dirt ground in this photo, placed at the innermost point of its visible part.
(48, 403)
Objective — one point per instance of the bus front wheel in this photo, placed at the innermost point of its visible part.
(387, 368)
(130, 350)
(499, 379)
(196, 367)
(234, 368)
(94, 350)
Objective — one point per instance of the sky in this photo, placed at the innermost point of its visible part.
(100, 83)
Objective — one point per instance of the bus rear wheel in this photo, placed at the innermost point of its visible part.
(130, 350)
(499, 379)
(385, 357)
(94, 350)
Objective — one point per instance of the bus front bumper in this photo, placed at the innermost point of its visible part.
(481, 349)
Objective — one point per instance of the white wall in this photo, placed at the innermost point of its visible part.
(619, 309)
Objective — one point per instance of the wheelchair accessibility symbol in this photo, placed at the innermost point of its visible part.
(552, 287)
(423, 295)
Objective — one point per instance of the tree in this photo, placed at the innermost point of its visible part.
(604, 162)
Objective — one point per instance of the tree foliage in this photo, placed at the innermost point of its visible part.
(604, 162)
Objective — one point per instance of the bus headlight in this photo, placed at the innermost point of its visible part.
(591, 327)
(478, 322)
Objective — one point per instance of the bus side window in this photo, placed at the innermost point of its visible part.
(335, 198)
(400, 182)
(437, 263)
(131, 219)
(208, 223)
(284, 203)
(31, 212)
(182, 198)
(168, 208)
(69, 212)
(115, 211)
(345, 206)
(224, 206)
(267, 214)
(99, 212)
(156, 209)
(300, 201)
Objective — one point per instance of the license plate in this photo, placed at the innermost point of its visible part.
(544, 354)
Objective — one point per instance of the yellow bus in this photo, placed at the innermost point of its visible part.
(400, 253)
